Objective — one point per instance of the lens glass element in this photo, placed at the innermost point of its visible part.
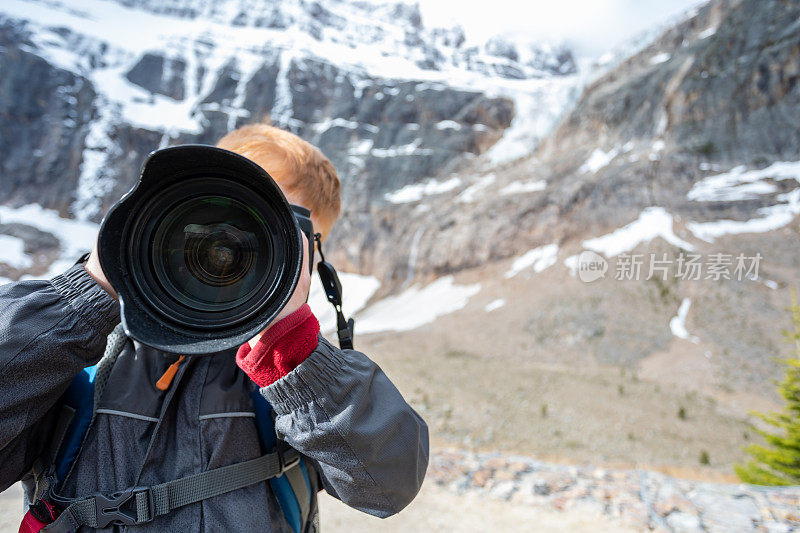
(211, 252)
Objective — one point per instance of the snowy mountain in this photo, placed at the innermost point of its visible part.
(90, 87)
(381, 94)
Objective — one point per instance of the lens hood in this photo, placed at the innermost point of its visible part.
(203, 252)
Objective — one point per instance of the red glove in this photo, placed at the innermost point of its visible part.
(285, 345)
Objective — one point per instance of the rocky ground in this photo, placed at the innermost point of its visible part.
(639, 499)
(468, 491)
(438, 509)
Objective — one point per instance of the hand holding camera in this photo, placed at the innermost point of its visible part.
(92, 266)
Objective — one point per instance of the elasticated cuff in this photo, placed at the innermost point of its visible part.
(83, 293)
(296, 389)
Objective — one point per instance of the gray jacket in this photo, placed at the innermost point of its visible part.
(337, 408)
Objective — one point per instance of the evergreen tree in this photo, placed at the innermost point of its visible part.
(778, 462)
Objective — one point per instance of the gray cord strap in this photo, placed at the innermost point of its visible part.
(101, 510)
(114, 344)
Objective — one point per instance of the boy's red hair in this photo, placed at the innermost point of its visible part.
(304, 174)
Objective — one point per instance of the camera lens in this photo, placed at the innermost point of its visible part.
(211, 252)
(204, 251)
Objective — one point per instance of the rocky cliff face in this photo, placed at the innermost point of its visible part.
(432, 134)
(690, 145)
(718, 90)
(87, 92)
(43, 117)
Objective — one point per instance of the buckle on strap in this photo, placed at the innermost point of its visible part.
(288, 458)
(109, 508)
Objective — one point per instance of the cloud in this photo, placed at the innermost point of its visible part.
(589, 26)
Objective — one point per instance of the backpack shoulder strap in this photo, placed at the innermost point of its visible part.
(83, 396)
(76, 411)
(293, 488)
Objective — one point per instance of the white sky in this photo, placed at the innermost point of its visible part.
(590, 27)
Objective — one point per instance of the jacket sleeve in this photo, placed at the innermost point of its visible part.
(49, 331)
(339, 409)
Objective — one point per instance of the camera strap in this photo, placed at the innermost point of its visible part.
(333, 291)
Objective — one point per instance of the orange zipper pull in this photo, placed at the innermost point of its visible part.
(166, 380)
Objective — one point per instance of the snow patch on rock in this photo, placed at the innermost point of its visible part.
(539, 258)
(494, 304)
(416, 191)
(678, 323)
(12, 252)
(657, 59)
(597, 160)
(521, 187)
(471, 193)
(538, 104)
(774, 217)
(76, 236)
(415, 307)
(652, 222)
(741, 184)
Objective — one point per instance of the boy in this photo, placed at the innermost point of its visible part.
(161, 418)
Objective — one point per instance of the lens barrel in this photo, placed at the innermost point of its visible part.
(203, 252)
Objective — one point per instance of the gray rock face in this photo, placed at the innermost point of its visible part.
(43, 114)
(723, 511)
(711, 90)
(718, 89)
(260, 92)
(381, 133)
(42, 248)
(161, 75)
(36, 240)
(636, 138)
(715, 91)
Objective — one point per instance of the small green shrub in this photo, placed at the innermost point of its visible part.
(778, 462)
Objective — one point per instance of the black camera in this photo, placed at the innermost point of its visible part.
(204, 251)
